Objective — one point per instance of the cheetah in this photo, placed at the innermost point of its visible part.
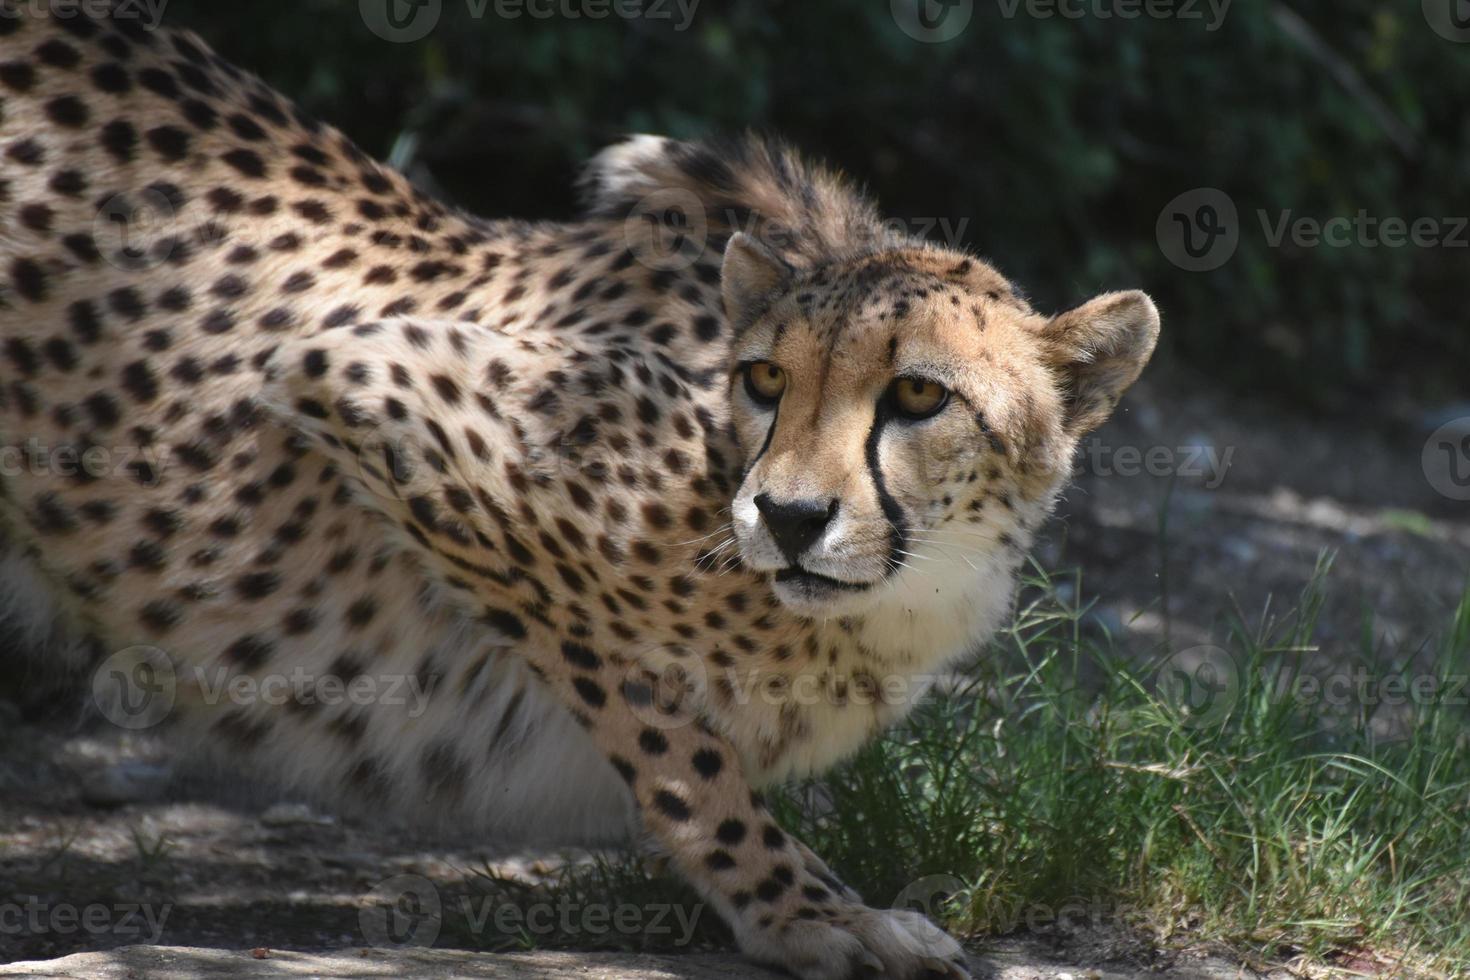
(655, 508)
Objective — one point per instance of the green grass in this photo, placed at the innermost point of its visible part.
(1054, 781)
(1069, 786)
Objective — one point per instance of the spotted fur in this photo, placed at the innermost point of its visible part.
(321, 423)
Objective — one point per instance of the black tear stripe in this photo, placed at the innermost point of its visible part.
(775, 417)
(891, 509)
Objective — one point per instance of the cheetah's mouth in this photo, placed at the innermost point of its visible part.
(815, 584)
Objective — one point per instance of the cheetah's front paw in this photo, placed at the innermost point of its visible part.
(857, 943)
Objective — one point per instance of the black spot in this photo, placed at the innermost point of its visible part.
(245, 127)
(200, 114)
(652, 741)
(170, 142)
(506, 623)
(247, 162)
(58, 54)
(69, 183)
(120, 139)
(104, 410)
(249, 652)
(707, 763)
(161, 615)
(590, 691)
(68, 111)
(730, 832)
(140, 381)
(362, 611)
(111, 77)
(257, 585)
(127, 302)
(671, 806)
(769, 890)
(160, 81)
(773, 838)
(27, 152)
(719, 861)
(315, 363)
(29, 279)
(17, 75)
(580, 657)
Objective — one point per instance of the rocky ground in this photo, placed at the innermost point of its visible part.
(105, 855)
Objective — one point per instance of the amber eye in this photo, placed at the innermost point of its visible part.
(915, 398)
(764, 382)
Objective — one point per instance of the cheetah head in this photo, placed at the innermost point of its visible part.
(907, 420)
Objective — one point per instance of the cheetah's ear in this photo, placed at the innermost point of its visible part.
(752, 277)
(1099, 349)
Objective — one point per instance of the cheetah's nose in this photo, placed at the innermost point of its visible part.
(795, 524)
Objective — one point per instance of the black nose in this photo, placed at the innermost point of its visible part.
(795, 524)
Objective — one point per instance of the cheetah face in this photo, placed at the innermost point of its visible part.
(906, 419)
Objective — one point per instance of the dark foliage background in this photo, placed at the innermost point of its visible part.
(1053, 142)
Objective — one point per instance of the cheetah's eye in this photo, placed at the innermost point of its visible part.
(764, 382)
(916, 399)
